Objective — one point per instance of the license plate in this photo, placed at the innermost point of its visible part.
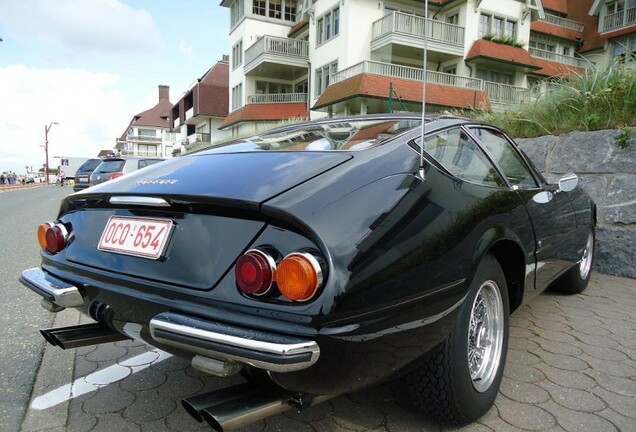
(142, 237)
(82, 179)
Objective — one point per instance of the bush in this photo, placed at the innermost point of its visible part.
(591, 100)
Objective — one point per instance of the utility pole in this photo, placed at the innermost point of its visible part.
(46, 149)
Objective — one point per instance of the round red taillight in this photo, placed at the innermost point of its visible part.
(53, 236)
(115, 175)
(254, 272)
(299, 276)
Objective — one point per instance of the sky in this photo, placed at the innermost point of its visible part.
(91, 65)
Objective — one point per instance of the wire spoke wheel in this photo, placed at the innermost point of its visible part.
(485, 336)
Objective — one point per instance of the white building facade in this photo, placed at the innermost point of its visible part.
(312, 58)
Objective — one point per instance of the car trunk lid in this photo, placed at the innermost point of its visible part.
(234, 179)
(212, 205)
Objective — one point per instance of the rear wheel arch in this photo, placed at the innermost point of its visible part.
(511, 259)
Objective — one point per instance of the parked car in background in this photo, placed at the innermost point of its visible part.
(83, 173)
(113, 167)
(322, 257)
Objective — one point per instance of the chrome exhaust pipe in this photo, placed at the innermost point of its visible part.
(234, 407)
(81, 335)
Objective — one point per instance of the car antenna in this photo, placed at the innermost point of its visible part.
(424, 78)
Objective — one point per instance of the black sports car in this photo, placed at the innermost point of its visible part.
(322, 257)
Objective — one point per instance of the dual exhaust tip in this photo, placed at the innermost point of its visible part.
(234, 407)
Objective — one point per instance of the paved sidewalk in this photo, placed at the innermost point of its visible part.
(19, 186)
(571, 367)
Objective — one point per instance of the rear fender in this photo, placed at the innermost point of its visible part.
(518, 267)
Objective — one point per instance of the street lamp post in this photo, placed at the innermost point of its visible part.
(46, 149)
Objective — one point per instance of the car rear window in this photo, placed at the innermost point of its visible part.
(111, 166)
(90, 165)
(147, 162)
(344, 136)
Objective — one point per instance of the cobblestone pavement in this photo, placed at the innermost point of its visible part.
(571, 367)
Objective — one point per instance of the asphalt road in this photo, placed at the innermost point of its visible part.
(21, 211)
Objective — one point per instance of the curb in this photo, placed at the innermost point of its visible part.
(56, 372)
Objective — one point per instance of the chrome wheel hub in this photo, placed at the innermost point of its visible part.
(485, 336)
(586, 260)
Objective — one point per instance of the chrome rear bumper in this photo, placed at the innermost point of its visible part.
(51, 288)
(272, 352)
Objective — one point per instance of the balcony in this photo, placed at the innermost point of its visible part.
(498, 94)
(619, 19)
(563, 22)
(143, 139)
(277, 57)
(189, 113)
(405, 32)
(277, 98)
(406, 72)
(559, 58)
(198, 137)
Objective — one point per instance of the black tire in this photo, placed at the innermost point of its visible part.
(576, 279)
(443, 387)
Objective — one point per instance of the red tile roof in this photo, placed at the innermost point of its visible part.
(213, 91)
(157, 116)
(554, 30)
(265, 112)
(501, 52)
(550, 68)
(377, 86)
(298, 27)
(559, 6)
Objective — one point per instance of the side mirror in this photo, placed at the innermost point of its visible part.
(568, 182)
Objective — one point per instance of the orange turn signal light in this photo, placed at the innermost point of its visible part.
(42, 229)
(298, 276)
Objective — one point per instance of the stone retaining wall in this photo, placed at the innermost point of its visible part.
(608, 173)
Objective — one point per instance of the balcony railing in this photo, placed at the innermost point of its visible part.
(619, 19)
(406, 72)
(413, 25)
(563, 22)
(277, 98)
(189, 113)
(555, 57)
(504, 94)
(143, 138)
(277, 45)
(501, 94)
(198, 137)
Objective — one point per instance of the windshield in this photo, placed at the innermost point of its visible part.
(348, 135)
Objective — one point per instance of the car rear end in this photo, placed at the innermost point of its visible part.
(204, 256)
(108, 169)
(83, 173)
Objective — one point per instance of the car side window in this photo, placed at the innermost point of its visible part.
(504, 154)
(459, 154)
(142, 163)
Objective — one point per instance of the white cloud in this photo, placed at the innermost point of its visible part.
(185, 48)
(89, 112)
(103, 26)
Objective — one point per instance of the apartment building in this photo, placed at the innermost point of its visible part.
(148, 133)
(200, 110)
(312, 58)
